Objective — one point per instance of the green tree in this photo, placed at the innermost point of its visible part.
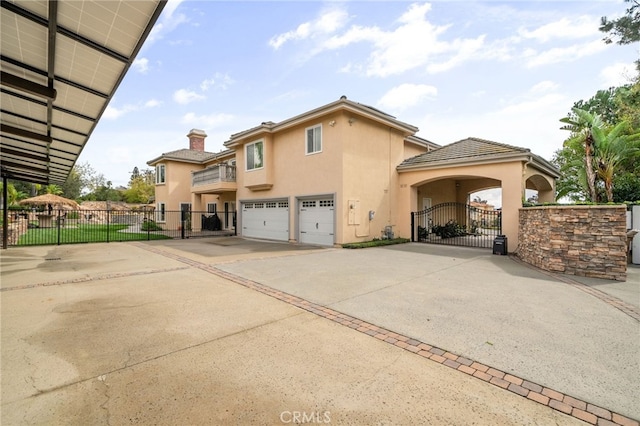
(572, 183)
(90, 179)
(624, 30)
(52, 189)
(613, 147)
(139, 191)
(72, 187)
(626, 187)
(12, 193)
(581, 126)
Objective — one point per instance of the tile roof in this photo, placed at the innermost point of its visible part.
(470, 149)
(190, 156)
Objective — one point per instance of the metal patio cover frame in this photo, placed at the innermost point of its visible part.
(61, 63)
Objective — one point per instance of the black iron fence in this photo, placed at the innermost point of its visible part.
(457, 224)
(89, 226)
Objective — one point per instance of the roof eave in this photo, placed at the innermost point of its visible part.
(341, 104)
(490, 159)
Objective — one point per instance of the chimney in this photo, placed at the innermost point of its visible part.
(196, 139)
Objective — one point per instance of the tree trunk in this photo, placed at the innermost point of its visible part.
(591, 174)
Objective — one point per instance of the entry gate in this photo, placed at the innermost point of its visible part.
(457, 224)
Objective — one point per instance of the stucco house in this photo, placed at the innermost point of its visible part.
(343, 172)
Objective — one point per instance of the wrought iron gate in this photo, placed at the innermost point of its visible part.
(457, 224)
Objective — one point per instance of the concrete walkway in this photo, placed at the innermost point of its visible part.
(162, 333)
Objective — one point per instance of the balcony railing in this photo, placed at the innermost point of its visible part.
(214, 174)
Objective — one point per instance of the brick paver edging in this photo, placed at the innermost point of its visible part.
(558, 401)
(623, 306)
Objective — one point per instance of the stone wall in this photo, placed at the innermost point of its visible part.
(587, 241)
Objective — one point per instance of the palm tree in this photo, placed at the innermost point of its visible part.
(613, 147)
(53, 189)
(582, 126)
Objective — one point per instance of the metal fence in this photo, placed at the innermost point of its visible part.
(456, 224)
(91, 226)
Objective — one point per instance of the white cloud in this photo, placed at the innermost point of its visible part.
(581, 27)
(564, 54)
(397, 51)
(152, 103)
(219, 80)
(141, 65)
(544, 86)
(618, 74)
(112, 113)
(184, 96)
(169, 21)
(526, 107)
(329, 21)
(211, 120)
(406, 96)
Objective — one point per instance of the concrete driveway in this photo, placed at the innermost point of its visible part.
(232, 331)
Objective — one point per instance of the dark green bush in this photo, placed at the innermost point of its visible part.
(449, 230)
(150, 225)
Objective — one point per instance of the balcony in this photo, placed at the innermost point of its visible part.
(218, 178)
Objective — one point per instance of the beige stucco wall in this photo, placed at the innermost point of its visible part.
(371, 155)
(357, 162)
(440, 183)
(177, 186)
(545, 185)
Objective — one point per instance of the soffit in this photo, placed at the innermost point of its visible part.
(81, 49)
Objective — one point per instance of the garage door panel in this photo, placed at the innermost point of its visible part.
(316, 221)
(268, 220)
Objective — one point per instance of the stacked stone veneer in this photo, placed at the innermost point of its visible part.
(587, 241)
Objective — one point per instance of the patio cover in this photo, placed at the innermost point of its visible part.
(61, 63)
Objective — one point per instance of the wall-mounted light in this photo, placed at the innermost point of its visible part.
(351, 121)
(332, 123)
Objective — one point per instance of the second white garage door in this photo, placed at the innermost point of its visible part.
(268, 219)
(316, 218)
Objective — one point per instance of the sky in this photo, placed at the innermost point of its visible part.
(503, 71)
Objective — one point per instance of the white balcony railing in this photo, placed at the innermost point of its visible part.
(214, 174)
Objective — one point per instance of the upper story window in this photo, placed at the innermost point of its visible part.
(314, 139)
(160, 173)
(255, 158)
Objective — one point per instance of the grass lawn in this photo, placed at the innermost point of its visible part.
(84, 234)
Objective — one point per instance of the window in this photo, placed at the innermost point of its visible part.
(314, 139)
(254, 155)
(212, 208)
(160, 211)
(160, 173)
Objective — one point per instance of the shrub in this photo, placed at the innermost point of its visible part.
(150, 225)
(449, 230)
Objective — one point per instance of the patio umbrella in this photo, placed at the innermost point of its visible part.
(56, 201)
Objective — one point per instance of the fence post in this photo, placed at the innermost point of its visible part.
(235, 223)
(108, 226)
(183, 222)
(58, 226)
(413, 240)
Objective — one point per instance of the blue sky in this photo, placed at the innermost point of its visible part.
(504, 71)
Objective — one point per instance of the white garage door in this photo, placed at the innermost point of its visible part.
(316, 221)
(268, 219)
